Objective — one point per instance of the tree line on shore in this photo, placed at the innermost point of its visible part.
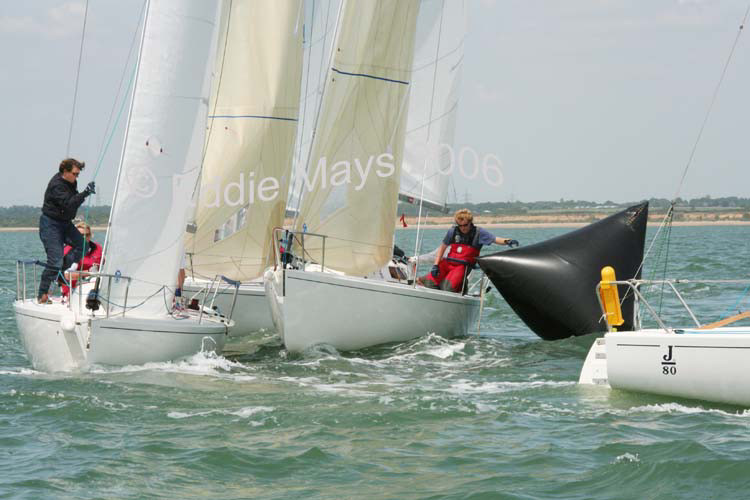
(28, 216)
(562, 206)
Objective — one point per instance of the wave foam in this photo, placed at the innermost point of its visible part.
(242, 412)
(202, 363)
(468, 387)
(685, 410)
(22, 371)
(628, 458)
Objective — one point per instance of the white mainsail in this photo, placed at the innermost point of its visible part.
(433, 104)
(350, 188)
(252, 127)
(162, 153)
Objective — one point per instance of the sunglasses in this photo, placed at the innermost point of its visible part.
(76, 173)
(463, 225)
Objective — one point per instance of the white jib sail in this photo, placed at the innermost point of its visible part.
(252, 126)
(433, 105)
(320, 31)
(162, 154)
(350, 188)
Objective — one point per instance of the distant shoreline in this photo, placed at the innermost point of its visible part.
(577, 220)
(27, 229)
(442, 224)
(533, 225)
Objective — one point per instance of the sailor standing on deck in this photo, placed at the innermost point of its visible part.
(56, 229)
(465, 241)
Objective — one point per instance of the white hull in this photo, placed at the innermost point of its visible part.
(709, 365)
(251, 312)
(348, 313)
(56, 340)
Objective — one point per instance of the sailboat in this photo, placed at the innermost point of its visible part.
(124, 315)
(252, 125)
(698, 361)
(345, 226)
(686, 357)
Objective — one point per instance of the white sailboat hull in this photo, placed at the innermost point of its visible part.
(709, 365)
(56, 340)
(251, 312)
(348, 313)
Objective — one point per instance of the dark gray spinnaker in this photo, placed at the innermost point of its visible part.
(552, 285)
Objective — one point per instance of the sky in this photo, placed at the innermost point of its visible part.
(583, 99)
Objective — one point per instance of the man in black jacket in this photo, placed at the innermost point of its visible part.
(56, 229)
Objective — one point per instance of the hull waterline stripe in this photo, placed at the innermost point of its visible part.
(711, 347)
(686, 346)
(128, 329)
(638, 345)
(161, 331)
(465, 302)
(365, 75)
(42, 318)
(714, 332)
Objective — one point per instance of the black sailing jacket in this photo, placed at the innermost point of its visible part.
(62, 199)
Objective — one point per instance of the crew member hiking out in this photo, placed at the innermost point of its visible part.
(56, 229)
(465, 241)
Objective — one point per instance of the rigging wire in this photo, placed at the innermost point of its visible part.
(303, 111)
(78, 78)
(320, 100)
(106, 142)
(417, 249)
(669, 216)
(713, 101)
(667, 238)
(196, 189)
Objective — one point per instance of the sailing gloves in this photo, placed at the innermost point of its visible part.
(90, 188)
(512, 243)
(435, 272)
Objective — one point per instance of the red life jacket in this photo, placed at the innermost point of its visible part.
(464, 248)
(93, 255)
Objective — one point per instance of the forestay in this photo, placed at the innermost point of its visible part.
(433, 104)
(350, 189)
(162, 153)
(320, 31)
(252, 126)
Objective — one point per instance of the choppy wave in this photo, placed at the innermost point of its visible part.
(471, 417)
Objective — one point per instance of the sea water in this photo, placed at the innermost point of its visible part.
(494, 415)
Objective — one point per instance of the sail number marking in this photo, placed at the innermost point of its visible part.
(668, 363)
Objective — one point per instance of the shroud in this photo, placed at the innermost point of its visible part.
(552, 285)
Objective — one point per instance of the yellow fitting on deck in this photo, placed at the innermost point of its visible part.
(610, 297)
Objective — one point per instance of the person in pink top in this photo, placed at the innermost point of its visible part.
(92, 257)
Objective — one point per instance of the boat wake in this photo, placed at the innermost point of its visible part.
(202, 363)
(22, 371)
